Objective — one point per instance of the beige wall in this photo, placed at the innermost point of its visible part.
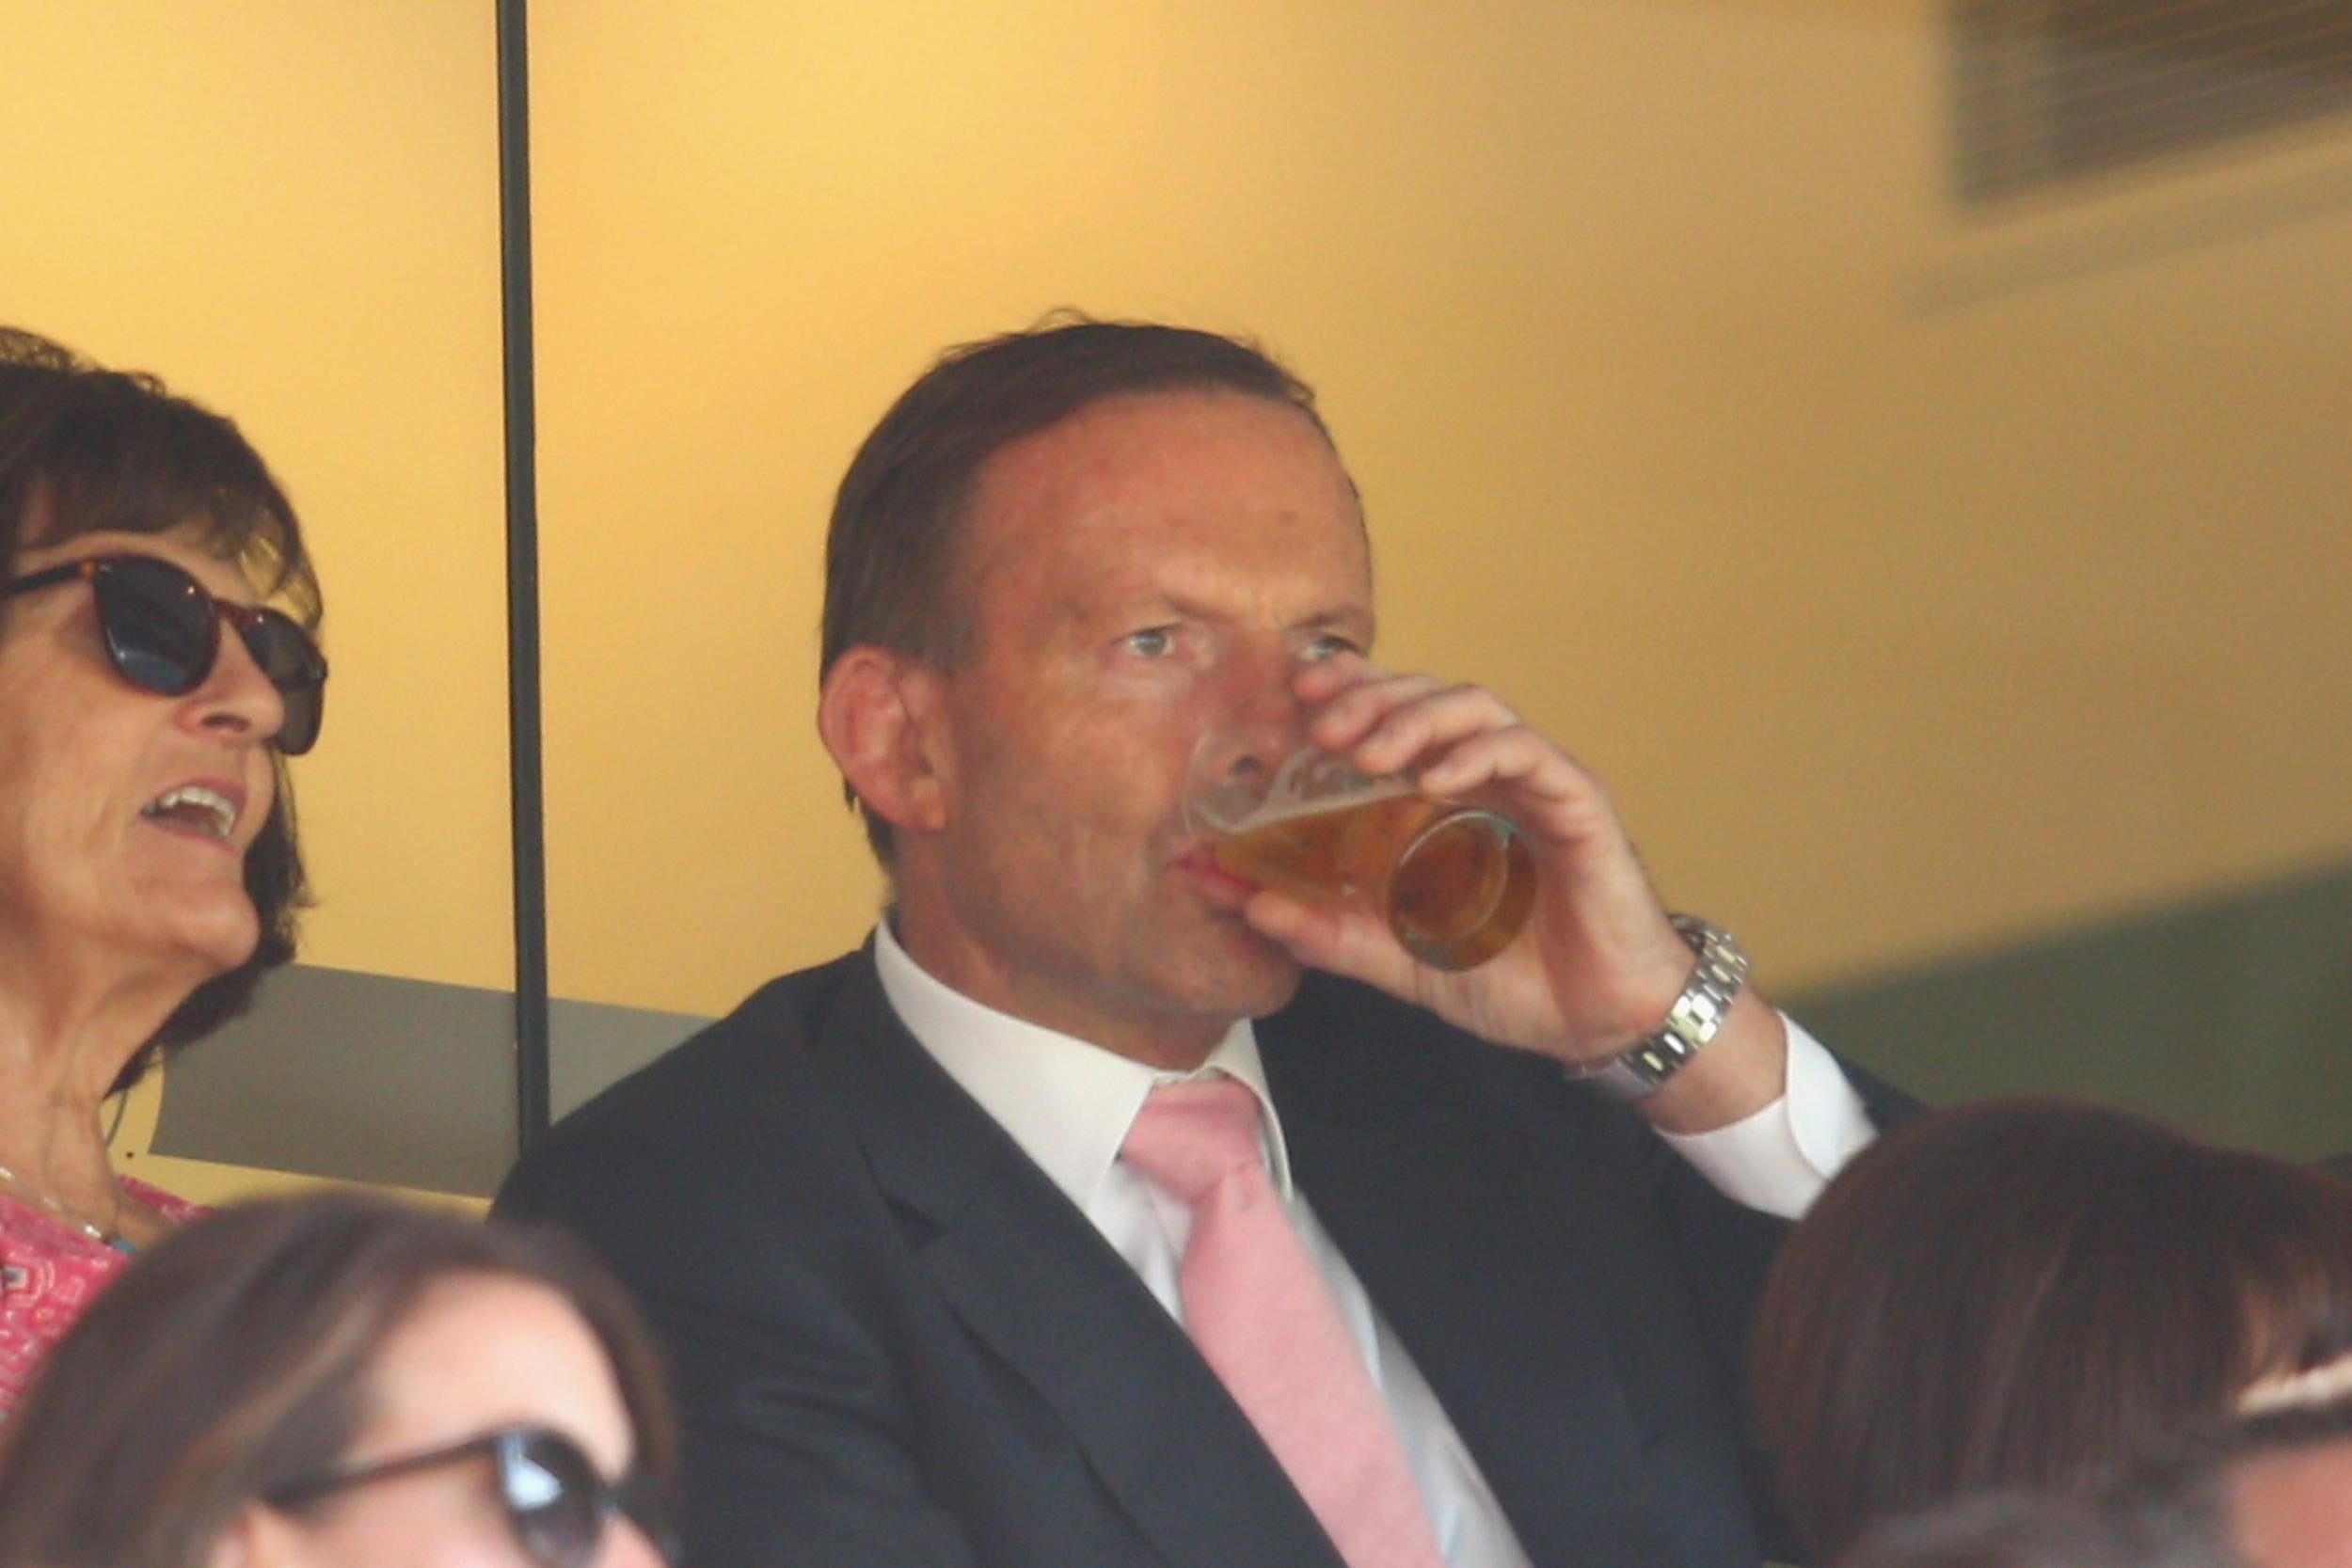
(1918, 579)
(289, 211)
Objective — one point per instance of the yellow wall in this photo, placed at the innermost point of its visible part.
(1907, 604)
(289, 212)
(1919, 578)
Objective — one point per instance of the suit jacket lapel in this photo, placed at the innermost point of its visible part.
(1033, 1280)
(1479, 1277)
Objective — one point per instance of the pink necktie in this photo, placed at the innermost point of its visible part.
(1266, 1325)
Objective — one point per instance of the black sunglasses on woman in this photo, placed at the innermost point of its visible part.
(554, 1501)
(162, 629)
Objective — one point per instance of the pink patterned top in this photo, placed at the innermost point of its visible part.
(48, 1270)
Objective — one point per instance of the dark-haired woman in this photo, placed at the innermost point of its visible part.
(2027, 1295)
(340, 1381)
(148, 868)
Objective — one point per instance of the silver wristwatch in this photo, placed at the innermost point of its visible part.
(1697, 1014)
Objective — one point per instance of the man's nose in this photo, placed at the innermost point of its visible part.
(1263, 694)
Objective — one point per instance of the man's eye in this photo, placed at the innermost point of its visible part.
(1151, 642)
(1323, 647)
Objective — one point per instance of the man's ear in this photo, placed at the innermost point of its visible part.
(879, 714)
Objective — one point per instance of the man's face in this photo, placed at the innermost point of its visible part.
(2293, 1508)
(1151, 566)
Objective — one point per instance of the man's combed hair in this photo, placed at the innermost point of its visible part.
(84, 450)
(894, 551)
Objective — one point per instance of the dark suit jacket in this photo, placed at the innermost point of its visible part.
(895, 1342)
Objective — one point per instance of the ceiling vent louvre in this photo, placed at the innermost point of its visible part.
(2048, 91)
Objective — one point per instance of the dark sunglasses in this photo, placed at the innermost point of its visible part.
(163, 633)
(554, 1500)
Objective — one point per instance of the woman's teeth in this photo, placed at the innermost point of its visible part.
(206, 810)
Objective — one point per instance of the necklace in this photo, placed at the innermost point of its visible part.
(103, 1235)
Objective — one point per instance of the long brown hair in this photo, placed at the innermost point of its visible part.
(2026, 1293)
(236, 1358)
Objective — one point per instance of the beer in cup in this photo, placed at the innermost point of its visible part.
(1454, 882)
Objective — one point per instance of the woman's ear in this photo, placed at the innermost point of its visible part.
(879, 714)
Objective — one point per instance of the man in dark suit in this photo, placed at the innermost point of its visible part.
(927, 1300)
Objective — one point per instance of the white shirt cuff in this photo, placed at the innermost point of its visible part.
(1779, 1158)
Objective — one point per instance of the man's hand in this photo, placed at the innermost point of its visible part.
(1599, 964)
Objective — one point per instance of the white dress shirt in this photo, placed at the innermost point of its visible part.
(1069, 1106)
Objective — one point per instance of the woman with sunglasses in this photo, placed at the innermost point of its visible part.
(341, 1382)
(149, 875)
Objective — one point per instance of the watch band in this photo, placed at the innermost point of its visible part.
(1693, 1020)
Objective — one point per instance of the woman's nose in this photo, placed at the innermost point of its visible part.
(236, 697)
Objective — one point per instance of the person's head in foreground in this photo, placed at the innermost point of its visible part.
(2273, 1491)
(2028, 1293)
(2023, 1530)
(340, 1381)
(148, 690)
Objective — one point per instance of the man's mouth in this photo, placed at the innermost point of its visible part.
(196, 810)
(1223, 889)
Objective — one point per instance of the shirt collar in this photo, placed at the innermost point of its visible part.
(1067, 1104)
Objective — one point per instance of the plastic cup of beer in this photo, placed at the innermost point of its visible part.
(1454, 882)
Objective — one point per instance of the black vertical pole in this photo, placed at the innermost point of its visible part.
(522, 577)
